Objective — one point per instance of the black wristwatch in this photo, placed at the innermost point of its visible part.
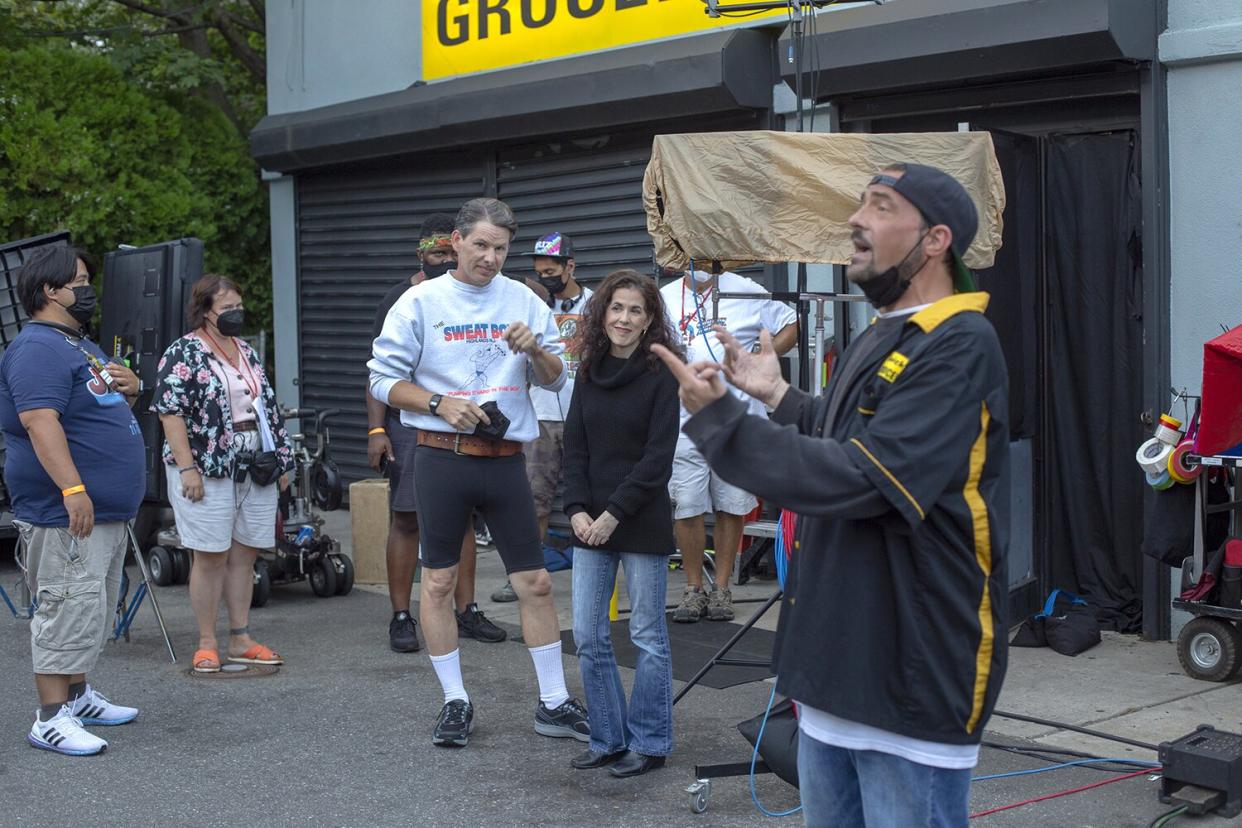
(434, 403)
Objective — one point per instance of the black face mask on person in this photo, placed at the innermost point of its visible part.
(883, 289)
(84, 302)
(230, 322)
(431, 271)
(553, 285)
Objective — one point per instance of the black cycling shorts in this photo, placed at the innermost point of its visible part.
(451, 486)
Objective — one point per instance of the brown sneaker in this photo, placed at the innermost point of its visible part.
(693, 606)
(720, 605)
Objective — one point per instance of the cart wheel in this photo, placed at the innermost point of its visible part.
(160, 562)
(700, 791)
(181, 561)
(262, 584)
(345, 576)
(323, 577)
(1209, 648)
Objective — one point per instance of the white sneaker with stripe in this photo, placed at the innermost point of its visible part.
(64, 733)
(93, 709)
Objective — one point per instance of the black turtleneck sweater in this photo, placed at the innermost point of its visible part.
(620, 435)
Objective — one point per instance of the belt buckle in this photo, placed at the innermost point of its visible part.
(457, 446)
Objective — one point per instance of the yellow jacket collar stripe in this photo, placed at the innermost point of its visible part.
(931, 317)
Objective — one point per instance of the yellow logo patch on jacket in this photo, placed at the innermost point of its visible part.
(893, 366)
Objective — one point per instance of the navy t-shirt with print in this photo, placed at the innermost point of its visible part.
(44, 369)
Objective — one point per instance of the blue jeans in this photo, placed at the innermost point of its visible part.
(647, 727)
(845, 788)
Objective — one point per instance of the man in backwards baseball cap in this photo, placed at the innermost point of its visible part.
(900, 476)
(911, 216)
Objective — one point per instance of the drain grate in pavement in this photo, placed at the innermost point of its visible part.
(236, 671)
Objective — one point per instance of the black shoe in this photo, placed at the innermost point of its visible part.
(635, 764)
(402, 633)
(473, 624)
(569, 721)
(595, 759)
(455, 724)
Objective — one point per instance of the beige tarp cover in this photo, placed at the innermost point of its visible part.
(741, 197)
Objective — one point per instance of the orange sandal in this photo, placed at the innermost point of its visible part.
(258, 654)
(206, 661)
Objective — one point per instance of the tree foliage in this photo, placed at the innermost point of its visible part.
(128, 127)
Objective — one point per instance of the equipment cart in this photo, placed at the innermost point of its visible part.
(1209, 647)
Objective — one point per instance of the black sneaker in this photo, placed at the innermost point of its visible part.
(402, 634)
(569, 721)
(472, 624)
(455, 724)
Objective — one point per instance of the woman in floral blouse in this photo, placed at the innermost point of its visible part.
(216, 406)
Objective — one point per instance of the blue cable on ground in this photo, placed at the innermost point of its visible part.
(1137, 762)
(754, 759)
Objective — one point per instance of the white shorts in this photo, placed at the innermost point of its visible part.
(228, 511)
(696, 490)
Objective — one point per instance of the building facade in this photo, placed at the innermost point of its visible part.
(1105, 115)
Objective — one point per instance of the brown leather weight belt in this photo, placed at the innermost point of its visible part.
(468, 444)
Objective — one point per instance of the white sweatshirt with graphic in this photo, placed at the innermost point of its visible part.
(448, 337)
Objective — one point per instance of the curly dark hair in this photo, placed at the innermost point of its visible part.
(593, 342)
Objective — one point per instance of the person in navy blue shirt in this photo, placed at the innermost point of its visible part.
(75, 466)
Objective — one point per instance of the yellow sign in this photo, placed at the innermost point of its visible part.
(465, 36)
(893, 366)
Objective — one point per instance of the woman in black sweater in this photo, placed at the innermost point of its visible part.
(620, 434)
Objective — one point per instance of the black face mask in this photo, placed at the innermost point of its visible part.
(230, 322)
(84, 301)
(431, 271)
(885, 288)
(553, 285)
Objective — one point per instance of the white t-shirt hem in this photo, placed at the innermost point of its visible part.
(842, 733)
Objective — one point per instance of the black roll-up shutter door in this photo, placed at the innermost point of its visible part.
(590, 188)
(357, 237)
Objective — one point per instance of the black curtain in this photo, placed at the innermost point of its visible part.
(1013, 279)
(1094, 370)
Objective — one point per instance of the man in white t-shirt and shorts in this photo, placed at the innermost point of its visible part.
(457, 356)
(553, 259)
(696, 490)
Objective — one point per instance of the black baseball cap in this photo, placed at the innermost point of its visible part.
(942, 200)
(554, 246)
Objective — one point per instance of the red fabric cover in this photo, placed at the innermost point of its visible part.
(1233, 552)
(1220, 423)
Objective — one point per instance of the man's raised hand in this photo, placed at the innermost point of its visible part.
(758, 374)
(701, 383)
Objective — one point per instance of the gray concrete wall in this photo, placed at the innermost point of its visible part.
(1202, 49)
(321, 52)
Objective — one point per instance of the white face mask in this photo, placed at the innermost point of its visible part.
(702, 276)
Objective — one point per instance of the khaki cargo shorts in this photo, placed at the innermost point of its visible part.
(76, 583)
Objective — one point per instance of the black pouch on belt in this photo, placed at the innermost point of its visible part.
(265, 468)
(498, 423)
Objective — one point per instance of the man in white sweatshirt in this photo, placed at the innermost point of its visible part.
(452, 350)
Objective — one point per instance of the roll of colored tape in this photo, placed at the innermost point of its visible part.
(1161, 481)
(1168, 436)
(1178, 468)
(1153, 456)
(1171, 422)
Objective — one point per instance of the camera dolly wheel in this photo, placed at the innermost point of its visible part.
(700, 791)
(160, 562)
(323, 577)
(344, 574)
(262, 584)
(1210, 649)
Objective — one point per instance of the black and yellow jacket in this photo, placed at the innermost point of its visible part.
(895, 606)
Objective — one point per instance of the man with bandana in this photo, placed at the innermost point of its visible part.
(892, 628)
(553, 258)
(389, 445)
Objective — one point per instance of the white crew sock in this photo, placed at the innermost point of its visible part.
(448, 671)
(550, 671)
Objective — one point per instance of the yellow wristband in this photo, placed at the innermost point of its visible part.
(72, 490)
(375, 431)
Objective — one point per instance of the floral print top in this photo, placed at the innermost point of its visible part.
(186, 386)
